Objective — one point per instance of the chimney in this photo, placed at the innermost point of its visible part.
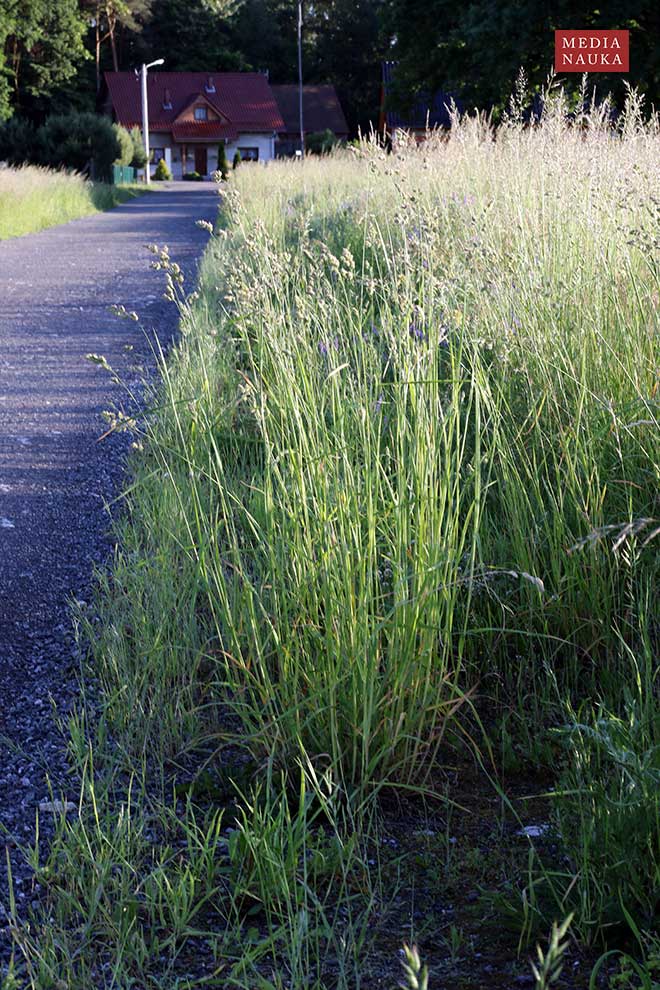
(210, 85)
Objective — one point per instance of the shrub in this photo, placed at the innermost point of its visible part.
(85, 142)
(162, 172)
(139, 159)
(125, 156)
(192, 177)
(223, 164)
(237, 159)
(18, 141)
(320, 142)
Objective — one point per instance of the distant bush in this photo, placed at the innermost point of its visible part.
(162, 172)
(223, 164)
(18, 141)
(192, 177)
(85, 142)
(139, 159)
(237, 159)
(320, 142)
(126, 143)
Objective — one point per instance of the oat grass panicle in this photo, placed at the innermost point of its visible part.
(32, 197)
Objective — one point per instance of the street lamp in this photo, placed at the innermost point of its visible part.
(145, 113)
(300, 81)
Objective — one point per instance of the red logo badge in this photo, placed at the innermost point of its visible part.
(592, 51)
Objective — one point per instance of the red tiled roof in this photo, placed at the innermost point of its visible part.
(244, 99)
(321, 109)
(203, 130)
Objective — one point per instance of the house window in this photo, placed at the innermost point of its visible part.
(249, 154)
(201, 113)
(158, 154)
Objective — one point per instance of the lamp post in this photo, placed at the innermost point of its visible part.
(145, 114)
(300, 81)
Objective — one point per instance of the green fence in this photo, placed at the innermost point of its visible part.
(122, 174)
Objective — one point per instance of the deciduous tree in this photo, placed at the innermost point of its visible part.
(41, 46)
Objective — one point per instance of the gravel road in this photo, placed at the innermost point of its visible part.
(55, 478)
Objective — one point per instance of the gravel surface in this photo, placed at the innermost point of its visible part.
(55, 477)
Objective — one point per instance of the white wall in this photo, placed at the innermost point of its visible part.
(264, 142)
(163, 141)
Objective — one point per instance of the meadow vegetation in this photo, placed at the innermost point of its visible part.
(32, 198)
(375, 662)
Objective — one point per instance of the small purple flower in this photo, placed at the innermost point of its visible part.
(416, 332)
(378, 403)
(323, 348)
(335, 343)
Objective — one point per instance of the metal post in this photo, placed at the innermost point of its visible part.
(300, 80)
(145, 123)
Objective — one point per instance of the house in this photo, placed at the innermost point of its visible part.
(321, 112)
(428, 111)
(191, 113)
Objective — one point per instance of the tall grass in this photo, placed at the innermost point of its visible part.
(401, 479)
(32, 198)
(411, 447)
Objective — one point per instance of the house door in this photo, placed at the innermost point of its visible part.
(201, 164)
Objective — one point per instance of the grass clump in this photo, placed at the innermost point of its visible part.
(397, 490)
(32, 198)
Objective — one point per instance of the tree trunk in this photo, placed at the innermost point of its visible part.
(15, 64)
(97, 51)
(112, 27)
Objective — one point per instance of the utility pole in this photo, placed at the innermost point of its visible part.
(145, 115)
(300, 81)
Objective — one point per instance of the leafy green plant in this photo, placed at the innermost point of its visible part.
(223, 164)
(139, 157)
(608, 808)
(85, 142)
(18, 141)
(162, 172)
(631, 973)
(236, 161)
(320, 142)
(125, 156)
